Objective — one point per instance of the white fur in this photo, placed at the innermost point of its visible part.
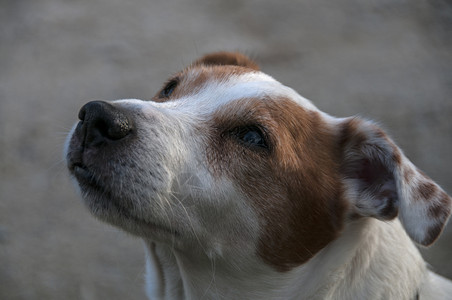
(364, 264)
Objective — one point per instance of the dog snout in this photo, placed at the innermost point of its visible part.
(102, 122)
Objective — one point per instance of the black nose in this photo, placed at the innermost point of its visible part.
(101, 121)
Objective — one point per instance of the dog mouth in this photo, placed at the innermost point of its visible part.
(84, 176)
(99, 194)
(87, 180)
(93, 187)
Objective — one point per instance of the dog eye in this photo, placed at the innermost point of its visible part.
(251, 136)
(169, 88)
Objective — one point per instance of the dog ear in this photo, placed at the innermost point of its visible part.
(227, 58)
(382, 183)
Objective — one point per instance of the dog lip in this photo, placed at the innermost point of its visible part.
(80, 171)
(83, 175)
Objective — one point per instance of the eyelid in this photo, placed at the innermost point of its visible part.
(240, 130)
(169, 87)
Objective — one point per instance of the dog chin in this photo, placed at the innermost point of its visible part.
(104, 206)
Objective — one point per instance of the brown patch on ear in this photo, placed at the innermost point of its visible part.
(432, 235)
(438, 210)
(408, 174)
(426, 190)
(294, 185)
(396, 155)
(227, 58)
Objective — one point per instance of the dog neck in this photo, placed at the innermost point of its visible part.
(368, 251)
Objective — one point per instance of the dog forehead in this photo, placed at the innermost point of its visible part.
(205, 91)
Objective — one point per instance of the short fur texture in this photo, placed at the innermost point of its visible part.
(243, 189)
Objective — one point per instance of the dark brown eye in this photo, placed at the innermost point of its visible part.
(251, 136)
(169, 88)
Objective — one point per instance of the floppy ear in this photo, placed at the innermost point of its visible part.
(382, 183)
(227, 58)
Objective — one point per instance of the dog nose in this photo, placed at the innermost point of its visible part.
(101, 121)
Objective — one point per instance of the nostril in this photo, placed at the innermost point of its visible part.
(117, 128)
(103, 121)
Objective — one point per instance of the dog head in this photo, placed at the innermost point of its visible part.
(227, 161)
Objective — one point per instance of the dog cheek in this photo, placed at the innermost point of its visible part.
(296, 217)
(300, 198)
(297, 221)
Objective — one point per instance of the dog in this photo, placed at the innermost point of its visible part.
(243, 189)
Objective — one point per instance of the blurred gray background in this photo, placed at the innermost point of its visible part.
(388, 60)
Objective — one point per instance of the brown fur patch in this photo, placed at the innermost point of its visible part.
(396, 155)
(440, 210)
(408, 174)
(227, 58)
(294, 185)
(432, 234)
(425, 191)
